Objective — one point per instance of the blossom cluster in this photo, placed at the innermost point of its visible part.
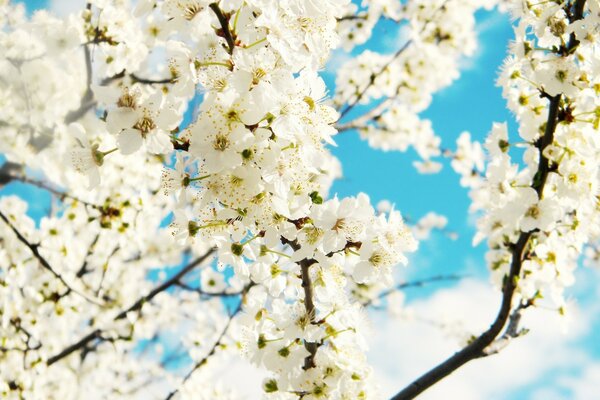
(197, 134)
(546, 204)
(400, 85)
(246, 177)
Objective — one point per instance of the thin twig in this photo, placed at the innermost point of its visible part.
(44, 263)
(42, 185)
(397, 54)
(87, 102)
(214, 347)
(409, 284)
(96, 334)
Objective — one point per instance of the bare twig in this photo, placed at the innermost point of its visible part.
(5, 176)
(409, 284)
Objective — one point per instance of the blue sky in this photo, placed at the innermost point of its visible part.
(471, 104)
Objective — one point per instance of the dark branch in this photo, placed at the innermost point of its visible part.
(353, 17)
(224, 21)
(81, 343)
(8, 172)
(96, 334)
(476, 348)
(165, 285)
(311, 347)
(83, 269)
(43, 262)
(309, 305)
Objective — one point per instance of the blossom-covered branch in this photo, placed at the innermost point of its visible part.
(524, 247)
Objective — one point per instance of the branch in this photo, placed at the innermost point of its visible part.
(81, 343)
(83, 269)
(214, 346)
(8, 171)
(87, 101)
(311, 347)
(6, 176)
(309, 305)
(34, 250)
(512, 330)
(96, 334)
(417, 283)
(165, 285)
(476, 348)
(224, 21)
(353, 17)
(361, 122)
(397, 54)
(372, 79)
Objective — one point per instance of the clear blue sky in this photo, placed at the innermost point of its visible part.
(471, 104)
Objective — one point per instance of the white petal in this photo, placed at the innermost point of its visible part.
(94, 177)
(130, 140)
(159, 143)
(121, 118)
(167, 118)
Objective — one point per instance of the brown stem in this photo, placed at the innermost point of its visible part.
(224, 21)
(309, 305)
(417, 283)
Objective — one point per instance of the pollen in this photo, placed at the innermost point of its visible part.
(221, 142)
(191, 10)
(145, 125)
